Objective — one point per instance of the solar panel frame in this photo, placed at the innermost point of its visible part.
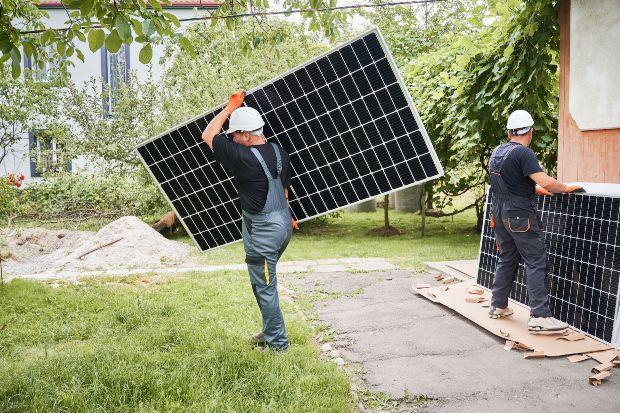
(558, 269)
(286, 79)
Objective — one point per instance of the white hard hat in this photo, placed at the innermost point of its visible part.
(519, 119)
(244, 119)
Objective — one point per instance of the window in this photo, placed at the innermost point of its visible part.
(115, 72)
(43, 73)
(44, 154)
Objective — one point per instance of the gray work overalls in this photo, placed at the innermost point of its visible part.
(265, 237)
(518, 232)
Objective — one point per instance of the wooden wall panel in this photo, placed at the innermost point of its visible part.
(584, 156)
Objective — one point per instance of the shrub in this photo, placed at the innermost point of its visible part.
(103, 192)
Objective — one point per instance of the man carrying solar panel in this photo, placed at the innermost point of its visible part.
(262, 175)
(514, 173)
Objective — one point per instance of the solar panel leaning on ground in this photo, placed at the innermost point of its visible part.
(347, 122)
(582, 235)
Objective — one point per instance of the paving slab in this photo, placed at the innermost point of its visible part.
(407, 344)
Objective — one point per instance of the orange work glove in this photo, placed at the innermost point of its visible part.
(574, 188)
(542, 191)
(235, 101)
(294, 224)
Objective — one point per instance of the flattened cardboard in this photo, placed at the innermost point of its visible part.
(597, 379)
(573, 337)
(602, 367)
(534, 355)
(475, 300)
(577, 358)
(475, 290)
(466, 267)
(607, 356)
(514, 326)
(420, 286)
(438, 277)
(449, 280)
(509, 345)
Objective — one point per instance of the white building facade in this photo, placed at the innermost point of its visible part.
(111, 69)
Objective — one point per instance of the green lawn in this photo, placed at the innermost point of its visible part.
(146, 344)
(347, 236)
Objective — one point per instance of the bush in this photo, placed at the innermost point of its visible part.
(103, 192)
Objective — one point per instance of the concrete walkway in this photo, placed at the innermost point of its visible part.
(407, 345)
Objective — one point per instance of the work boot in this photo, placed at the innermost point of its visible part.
(495, 312)
(258, 338)
(545, 324)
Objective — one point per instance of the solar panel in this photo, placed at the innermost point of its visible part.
(583, 245)
(347, 122)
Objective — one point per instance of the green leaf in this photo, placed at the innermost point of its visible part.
(80, 35)
(113, 42)
(28, 49)
(146, 54)
(96, 37)
(508, 51)
(16, 62)
(5, 43)
(79, 54)
(148, 28)
(187, 46)
(122, 27)
(173, 19)
(86, 7)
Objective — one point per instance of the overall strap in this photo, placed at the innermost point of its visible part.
(262, 162)
(278, 158)
(502, 160)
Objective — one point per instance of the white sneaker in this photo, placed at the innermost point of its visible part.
(495, 312)
(545, 324)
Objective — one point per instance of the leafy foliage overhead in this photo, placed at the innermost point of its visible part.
(23, 26)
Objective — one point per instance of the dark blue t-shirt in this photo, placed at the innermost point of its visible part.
(517, 168)
(249, 177)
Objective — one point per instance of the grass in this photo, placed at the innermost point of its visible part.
(347, 236)
(147, 344)
(152, 344)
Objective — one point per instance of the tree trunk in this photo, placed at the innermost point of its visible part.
(479, 216)
(386, 210)
(423, 204)
(429, 195)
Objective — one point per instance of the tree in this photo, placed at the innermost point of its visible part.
(117, 22)
(466, 89)
(107, 135)
(194, 85)
(27, 104)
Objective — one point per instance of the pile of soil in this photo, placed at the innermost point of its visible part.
(124, 243)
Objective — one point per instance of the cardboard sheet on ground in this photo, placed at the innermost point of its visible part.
(469, 268)
(512, 328)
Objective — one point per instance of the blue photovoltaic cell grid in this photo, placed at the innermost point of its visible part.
(582, 236)
(343, 118)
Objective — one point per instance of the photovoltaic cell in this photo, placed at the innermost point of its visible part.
(346, 121)
(583, 246)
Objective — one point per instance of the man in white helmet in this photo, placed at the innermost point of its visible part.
(261, 175)
(514, 172)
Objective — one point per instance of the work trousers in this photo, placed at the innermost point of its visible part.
(265, 237)
(519, 234)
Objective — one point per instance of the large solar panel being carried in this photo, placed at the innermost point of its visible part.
(582, 233)
(347, 122)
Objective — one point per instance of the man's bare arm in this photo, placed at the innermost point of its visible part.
(549, 183)
(214, 127)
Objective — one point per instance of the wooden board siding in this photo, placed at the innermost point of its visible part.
(583, 156)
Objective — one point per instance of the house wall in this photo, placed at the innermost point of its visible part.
(18, 159)
(586, 155)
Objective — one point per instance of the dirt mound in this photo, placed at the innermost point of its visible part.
(126, 242)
